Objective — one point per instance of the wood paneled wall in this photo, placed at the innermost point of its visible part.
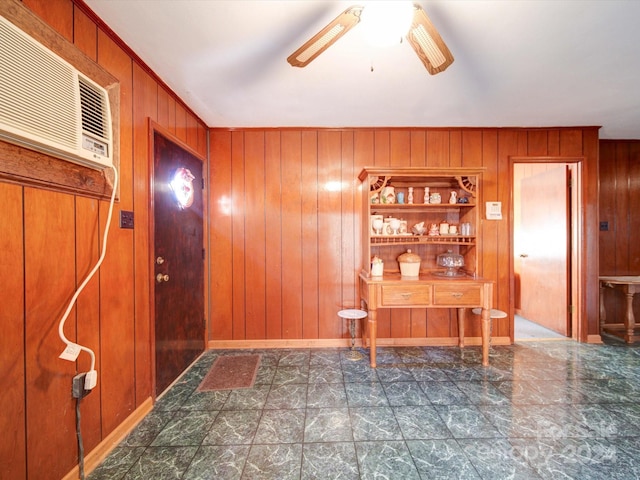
(284, 224)
(48, 243)
(283, 250)
(620, 208)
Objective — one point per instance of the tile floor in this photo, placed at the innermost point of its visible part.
(541, 410)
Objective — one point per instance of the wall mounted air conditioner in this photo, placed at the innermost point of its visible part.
(48, 106)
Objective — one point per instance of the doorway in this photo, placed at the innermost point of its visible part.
(544, 264)
(178, 258)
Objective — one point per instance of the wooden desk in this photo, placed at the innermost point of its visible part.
(630, 285)
(427, 291)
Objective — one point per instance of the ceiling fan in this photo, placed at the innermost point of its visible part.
(422, 35)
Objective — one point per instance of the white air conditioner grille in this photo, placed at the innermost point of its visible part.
(92, 103)
(47, 105)
(42, 109)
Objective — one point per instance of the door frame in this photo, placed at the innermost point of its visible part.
(578, 321)
(154, 128)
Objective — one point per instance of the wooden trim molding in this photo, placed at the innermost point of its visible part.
(346, 342)
(27, 167)
(111, 441)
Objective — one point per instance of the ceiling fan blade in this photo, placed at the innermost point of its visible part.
(326, 37)
(428, 44)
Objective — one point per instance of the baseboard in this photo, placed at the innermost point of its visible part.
(111, 441)
(345, 342)
(594, 339)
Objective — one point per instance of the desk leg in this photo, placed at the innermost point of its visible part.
(373, 331)
(629, 319)
(461, 327)
(486, 332)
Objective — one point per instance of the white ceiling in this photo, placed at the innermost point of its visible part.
(521, 63)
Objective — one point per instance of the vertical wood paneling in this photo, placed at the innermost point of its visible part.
(310, 234)
(255, 234)
(437, 155)
(164, 106)
(589, 287)
(363, 144)
(192, 131)
(87, 241)
(57, 14)
(181, 122)
(292, 225)
(312, 226)
(571, 142)
(85, 35)
(13, 454)
(273, 224)
(621, 212)
(116, 273)
(87, 253)
(220, 248)
(507, 145)
(238, 234)
(145, 107)
(619, 199)
(553, 143)
(607, 202)
(399, 153)
(381, 157)
(329, 233)
(634, 206)
(537, 143)
(62, 238)
(350, 246)
(418, 316)
(50, 281)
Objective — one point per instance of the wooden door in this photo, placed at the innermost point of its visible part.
(178, 260)
(542, 248)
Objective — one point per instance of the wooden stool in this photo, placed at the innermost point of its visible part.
(353, 314)
(493, 313)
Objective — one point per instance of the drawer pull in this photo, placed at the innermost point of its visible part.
(456, 294)
(406, 295)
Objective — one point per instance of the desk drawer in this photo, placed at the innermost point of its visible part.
(457, 295)
(405, 295)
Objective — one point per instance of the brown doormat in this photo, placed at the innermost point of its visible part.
(231, 372)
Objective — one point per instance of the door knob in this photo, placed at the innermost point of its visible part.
(162, 278)
(160, 260)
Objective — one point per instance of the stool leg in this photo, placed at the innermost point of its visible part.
(353, 354)
(352, 331)
(491, 350)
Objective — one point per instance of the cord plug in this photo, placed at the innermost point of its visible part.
(91, 380)
(77, 386)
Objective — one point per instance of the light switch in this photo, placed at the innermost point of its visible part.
(126, 219)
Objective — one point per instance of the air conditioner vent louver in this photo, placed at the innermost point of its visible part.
(92, 103)
(47, 105)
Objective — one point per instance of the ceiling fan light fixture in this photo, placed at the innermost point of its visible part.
(386, 23)
(428, 44)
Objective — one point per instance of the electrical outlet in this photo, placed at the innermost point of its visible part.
(77, 388)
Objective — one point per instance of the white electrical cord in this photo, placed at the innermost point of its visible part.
(72, 350)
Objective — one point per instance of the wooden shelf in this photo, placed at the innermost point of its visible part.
(425, 239)
(465, 182)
